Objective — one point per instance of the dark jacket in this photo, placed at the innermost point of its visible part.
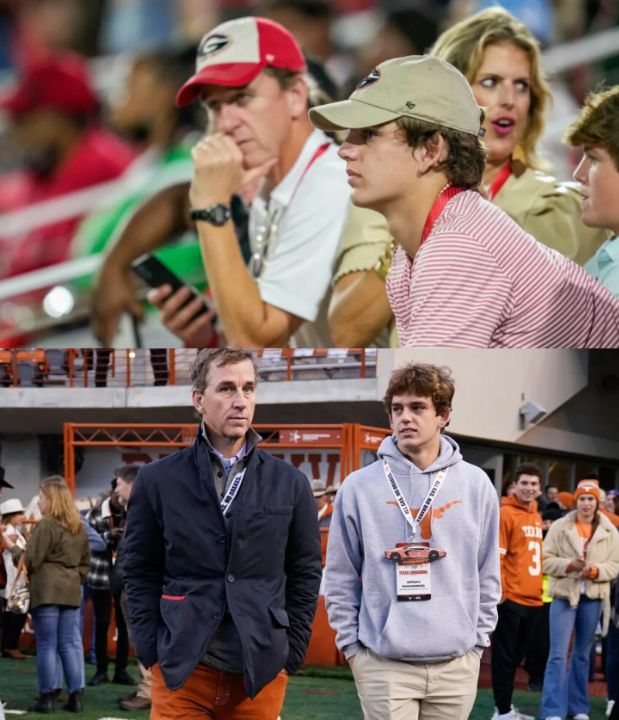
(57, 562)
(184, 564)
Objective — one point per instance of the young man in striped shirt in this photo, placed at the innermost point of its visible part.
(464, 274)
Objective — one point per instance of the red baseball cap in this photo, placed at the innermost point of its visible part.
(60, 82)
(235, 52)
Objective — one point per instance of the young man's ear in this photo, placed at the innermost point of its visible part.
(432, 152)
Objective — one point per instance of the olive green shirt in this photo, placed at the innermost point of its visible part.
(57, 562)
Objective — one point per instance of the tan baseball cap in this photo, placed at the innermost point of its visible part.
(416, 86)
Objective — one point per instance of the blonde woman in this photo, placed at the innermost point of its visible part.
(57, 560)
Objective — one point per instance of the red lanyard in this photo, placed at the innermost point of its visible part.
(318, 152)
(500, 180)
(443, 198)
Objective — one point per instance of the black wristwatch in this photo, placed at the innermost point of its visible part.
(217, 214)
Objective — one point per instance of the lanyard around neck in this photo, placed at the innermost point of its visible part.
(445, 195)
(232, 492)
(269, 229)
(403, 505)
(501, 178)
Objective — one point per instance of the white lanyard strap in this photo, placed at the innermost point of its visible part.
(232, 491)
(403, 505)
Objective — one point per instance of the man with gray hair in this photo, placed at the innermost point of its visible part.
(222, 559)
(251, 77)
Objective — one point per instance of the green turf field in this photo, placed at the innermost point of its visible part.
(314, 694)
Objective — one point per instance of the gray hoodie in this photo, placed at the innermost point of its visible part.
(466, 584)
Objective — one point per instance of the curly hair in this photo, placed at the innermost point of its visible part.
(424, 380)
(463, 45)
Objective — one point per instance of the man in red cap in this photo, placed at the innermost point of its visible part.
(54, 113)
(250, 76)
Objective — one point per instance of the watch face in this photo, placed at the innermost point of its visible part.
(220, 214)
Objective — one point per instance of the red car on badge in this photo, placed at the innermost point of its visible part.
(414, 554)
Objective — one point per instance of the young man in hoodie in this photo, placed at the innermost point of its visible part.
(413, 577)
(520, 546)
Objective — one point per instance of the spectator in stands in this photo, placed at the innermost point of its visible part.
(252, 79)
(581, 556)
(501, 60)
(57, 560)
(410, 658)
(548, 496)
(235, 614)
(12, 513)
(596, 131)
(141, 698)
(414, 154)
(3, 578)
(565, 500)
(54, 115)
(309, 21)
(146, 115)
(108, 520)
(154, 223)
(520, 547)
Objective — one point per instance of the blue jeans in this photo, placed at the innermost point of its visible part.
(55, 633)
(566, 690)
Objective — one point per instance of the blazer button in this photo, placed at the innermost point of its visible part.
(216, 616)
(221, 539)
(231, 578)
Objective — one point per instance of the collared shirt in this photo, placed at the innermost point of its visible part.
(480, 281)
(604, 265)
(225, 652)
(224, 469)
(310, 206)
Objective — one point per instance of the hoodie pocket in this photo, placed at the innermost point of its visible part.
(436, 629)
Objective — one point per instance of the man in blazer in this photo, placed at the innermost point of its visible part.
(222, 559)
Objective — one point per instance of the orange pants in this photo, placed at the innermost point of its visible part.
(214, 694)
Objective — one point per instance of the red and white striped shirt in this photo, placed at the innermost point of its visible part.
(479, 280)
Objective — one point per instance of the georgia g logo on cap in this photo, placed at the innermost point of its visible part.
(369, 79)
(212, 44)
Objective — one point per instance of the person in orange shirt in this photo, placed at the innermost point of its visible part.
(520, 547)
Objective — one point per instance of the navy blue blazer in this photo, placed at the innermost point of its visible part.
(183, 566)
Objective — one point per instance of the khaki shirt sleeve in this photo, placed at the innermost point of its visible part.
(364, 239)
(551, 211)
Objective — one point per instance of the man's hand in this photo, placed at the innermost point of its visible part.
(219, 171)
(114, 295)
(194, 330)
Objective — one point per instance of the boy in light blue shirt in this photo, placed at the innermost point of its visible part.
(596, 130)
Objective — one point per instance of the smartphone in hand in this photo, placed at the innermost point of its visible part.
(155, 274)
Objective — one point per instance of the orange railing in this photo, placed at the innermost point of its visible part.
(100, 367)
